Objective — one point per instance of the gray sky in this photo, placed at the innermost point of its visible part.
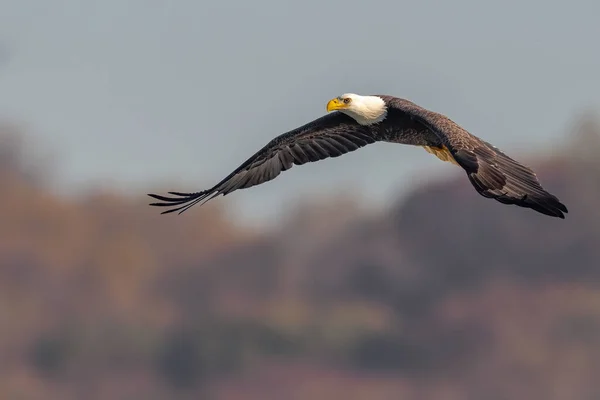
(176, 94)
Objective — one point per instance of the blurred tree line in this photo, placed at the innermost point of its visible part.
(445, 294)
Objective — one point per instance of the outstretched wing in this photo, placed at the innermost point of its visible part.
(329, 136)
(493, 174)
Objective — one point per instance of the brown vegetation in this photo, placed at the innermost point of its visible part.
(446, 296)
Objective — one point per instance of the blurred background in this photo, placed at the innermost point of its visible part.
(378, 275)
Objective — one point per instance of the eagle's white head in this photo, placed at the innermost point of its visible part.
(366, 110)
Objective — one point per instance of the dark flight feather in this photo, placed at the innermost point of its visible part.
(329, 136)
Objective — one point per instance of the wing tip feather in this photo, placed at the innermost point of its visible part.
(183, 201)
(495, 175)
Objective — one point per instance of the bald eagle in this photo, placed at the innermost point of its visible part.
(354, 121)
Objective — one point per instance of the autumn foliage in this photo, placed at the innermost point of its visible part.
(446, 295)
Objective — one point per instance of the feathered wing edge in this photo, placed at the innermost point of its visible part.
(184, 200)
(492, 173)
(330, 136)
(188, 200)
(495, 175)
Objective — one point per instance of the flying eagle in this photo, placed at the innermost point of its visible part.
(357, 121)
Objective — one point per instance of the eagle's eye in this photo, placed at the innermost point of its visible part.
(347, 100)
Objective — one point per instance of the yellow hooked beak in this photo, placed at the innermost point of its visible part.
(335, 104)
